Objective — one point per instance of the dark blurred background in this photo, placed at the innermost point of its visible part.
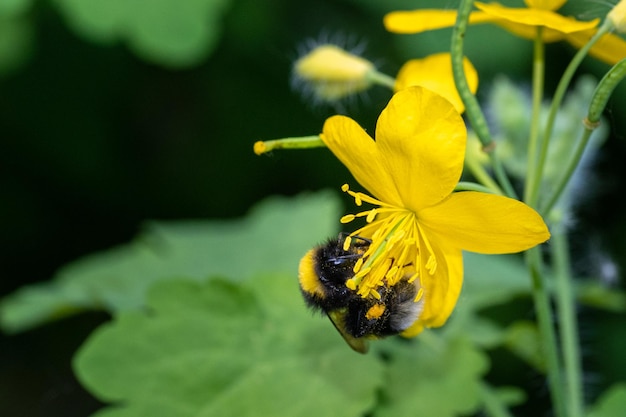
(95, 140)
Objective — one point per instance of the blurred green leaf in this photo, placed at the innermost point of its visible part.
(168, 32)
(16, 42)
(272, 238)
(595, 294)
(13, 8)
(611, 404)
(523, 339)
(493, 279)
(224, 349)
(440, 377)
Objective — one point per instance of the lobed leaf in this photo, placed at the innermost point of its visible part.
(272, 238)
(218, 348)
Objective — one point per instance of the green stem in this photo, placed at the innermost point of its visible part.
(381, 79)
(480, 173)
(472, 186)
(304, 142)
(491, 402)
(567, 323)
(559, 94)
(601, 95)
(533, 179)
(472, 108)
(546, 330)
(567, 172)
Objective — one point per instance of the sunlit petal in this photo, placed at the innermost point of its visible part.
(416, 21)
(530, 32)
(435, 73)
(421, 138)
(610, 48)
(485, 223)
(441, 290)
(545, 4)
(360, 154)
(536, 17)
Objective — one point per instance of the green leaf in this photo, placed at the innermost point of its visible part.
(17, 36)
(523, 339)
(272, 238)
(14, 8)
(168, 32)
(226, 349)
(596, 294)
(493, 279)
(611, 404)
(434, 378)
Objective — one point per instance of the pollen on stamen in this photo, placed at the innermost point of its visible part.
(392, 271)
(419, 295)
(371, 215)
(347, 218)
(357, 265)
(375, 294)
(347, 242)
(431, 264)
(351, 284)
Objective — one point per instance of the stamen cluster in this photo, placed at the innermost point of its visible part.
(395, 249)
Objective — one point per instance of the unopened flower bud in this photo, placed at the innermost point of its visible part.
(331, 73)
(618, 16)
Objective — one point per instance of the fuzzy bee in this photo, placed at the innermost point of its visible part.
(323, 273)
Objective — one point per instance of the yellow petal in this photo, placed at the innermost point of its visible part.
(545, 4)
(536, 17)
(530, 32)
(485, 223)
(360, 154)
(610, 48)
(441, 289)
(421, 138)
(417, 21)
(435, 73)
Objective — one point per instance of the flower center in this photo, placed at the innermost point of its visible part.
(396, 248)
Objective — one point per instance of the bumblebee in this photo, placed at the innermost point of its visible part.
(323, 273)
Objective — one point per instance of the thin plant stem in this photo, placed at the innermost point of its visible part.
(559, 94)
(533, 180)
(381, 79)
(304, 142)
(567, 172)
(472, 108)
(568, 325)
(601, 95)
(472, 186)
(482, 176)
(543, 311)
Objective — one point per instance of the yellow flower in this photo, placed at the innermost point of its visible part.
(520, 21)
(617, 15)
(435, 73)
(418, 226)
(330, 73)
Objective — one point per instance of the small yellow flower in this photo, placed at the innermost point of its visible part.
(331, 73)
(418, 226)
(617, 16)
(435, 73)
(520, 21)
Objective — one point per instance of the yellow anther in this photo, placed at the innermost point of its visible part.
(358, 265)
(347, 218)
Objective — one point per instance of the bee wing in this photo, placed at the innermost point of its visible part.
(358, 344)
